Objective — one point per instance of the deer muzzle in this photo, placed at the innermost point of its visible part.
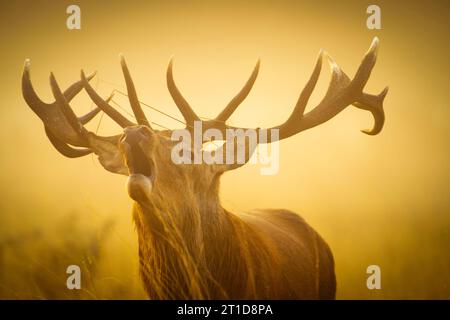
(140, 165)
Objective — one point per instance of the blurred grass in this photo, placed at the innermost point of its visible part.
(413, 256)
(33, 263)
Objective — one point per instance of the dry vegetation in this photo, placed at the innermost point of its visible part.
(413, 256)
(33, 264)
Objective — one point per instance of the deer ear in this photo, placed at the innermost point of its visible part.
(109, 155)
(237, 152)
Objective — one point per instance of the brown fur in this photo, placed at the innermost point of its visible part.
(189, 246)
(192, 248)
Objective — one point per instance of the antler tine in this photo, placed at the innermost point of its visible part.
(184, 107)
(237, 100)
(374, 104)
(91, 114)
(365, 68)
(303, 99)
(64, 129)
(32, 99)
(54, 117)
(30, 96)
(132, 95)
(64, 148)
(62, 103)
(102, 104)
(341, 93)
(75, 88)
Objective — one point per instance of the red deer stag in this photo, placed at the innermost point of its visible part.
(190, 247)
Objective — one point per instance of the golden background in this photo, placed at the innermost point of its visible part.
(376, 200)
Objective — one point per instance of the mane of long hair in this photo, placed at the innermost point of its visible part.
(191, 248)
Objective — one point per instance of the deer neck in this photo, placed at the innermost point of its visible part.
(178, 243)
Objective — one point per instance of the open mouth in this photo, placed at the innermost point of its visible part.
(137, 161)
(141, 173)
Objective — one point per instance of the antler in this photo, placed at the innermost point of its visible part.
(341, 93)
(64, 128)
(189, 114)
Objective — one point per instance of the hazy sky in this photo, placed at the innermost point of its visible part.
(330, 174)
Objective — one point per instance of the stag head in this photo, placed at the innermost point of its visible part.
(144, 153)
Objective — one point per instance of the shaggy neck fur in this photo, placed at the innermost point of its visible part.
(189, 245)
